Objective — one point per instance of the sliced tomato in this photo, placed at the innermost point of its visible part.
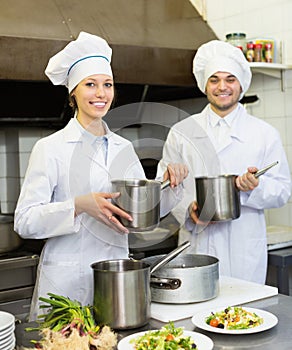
(169, 337)
(214, 322)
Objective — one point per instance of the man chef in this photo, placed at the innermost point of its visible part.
(225, 139)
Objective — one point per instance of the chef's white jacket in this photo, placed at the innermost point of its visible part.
(240, 244)
(62, 166)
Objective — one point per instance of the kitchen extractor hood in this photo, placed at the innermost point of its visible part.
(153, 42)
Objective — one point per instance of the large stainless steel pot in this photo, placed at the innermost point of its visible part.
(122, 293)
(218, 198)
(122, 290)
(9, 239)
(188, 278)
(141, 199)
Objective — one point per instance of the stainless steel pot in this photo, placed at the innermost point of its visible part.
(9, 239)
(141, 199)
(122, 290)
(122, 293)
(188, 278)
(218, 198)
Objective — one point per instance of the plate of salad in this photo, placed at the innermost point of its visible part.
(235, 320)
(167, 337)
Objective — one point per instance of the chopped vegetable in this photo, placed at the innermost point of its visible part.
(233, 318)
(65, 318)
(167, 338)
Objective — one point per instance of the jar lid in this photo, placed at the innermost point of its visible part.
(258, 45)
(268, 45)
(250, 45)
(236, 35)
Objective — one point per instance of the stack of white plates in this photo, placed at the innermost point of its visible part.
(7, 326)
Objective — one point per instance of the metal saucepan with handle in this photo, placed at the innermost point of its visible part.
(218, 197)
(141, 199)
(122, 290)
(188, 278)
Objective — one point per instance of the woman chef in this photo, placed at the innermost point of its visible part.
(66, 194)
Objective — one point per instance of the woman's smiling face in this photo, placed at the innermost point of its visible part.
(223, 91)
(94, 96)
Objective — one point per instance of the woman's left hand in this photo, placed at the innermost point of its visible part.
(176, 173)
(247, 181)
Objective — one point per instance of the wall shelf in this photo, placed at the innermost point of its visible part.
(274, 70)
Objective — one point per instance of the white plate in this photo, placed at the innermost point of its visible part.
(9, 344)
(270, 320)
(7, 331)
(7, 340)
(6, 320)
(202, 341)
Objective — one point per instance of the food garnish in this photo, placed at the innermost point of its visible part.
(68, 324)
(233, 318)
(167, 338)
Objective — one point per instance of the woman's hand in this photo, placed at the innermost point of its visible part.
(247, 181)
(193, 212)
(175, 173)
(99, 207)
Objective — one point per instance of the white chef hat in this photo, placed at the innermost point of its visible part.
(219, 56)
(87, 55)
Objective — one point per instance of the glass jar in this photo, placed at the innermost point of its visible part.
(258, 52)
(268, 52)
(237, 39)
(250, 51)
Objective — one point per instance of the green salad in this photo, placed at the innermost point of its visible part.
(167, 338)
(233, 318)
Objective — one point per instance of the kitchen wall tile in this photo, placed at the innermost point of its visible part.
(27, 139)
(286, 16)
(287, 53)
(214, 10)
(288, 81)
(289, 155)
(23, 163)
(270, 83)
(288, 104)
(289, 132)
(256, 85)
(274, 104)
(234, 24)
(3, 192)
(2, 165)
(2, 141)
(280, 216)
(280, 125)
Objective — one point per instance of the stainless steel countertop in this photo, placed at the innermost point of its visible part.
(279, 337)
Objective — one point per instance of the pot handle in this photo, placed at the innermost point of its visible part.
(165, 184)
(262, 171)
(165, 259)
(165, 283)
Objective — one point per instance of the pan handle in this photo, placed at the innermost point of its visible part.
(165, 184)
(165, 283)
(165, 259)
(263, 170)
